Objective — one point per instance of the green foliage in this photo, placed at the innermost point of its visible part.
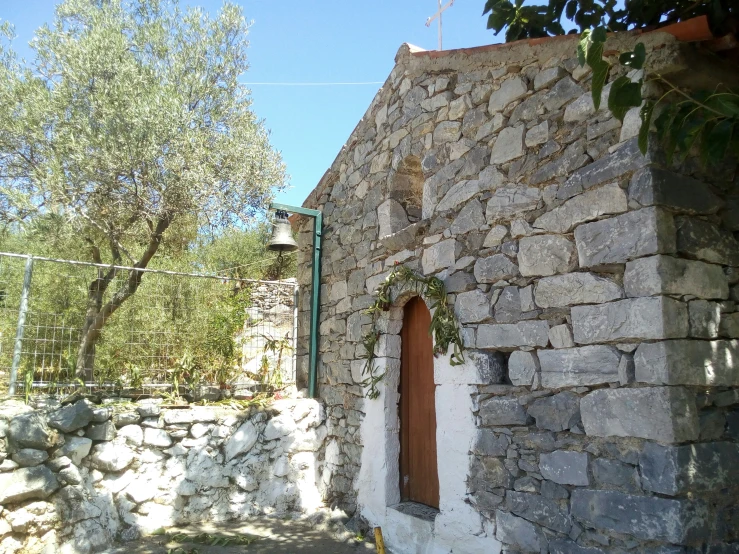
(541, 20)
(707, 120)
(131, 125)
(444, 327)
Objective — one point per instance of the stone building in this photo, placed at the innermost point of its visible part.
(597, 408)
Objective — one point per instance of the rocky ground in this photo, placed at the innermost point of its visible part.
(272, 536)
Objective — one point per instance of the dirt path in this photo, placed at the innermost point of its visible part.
(273, 536)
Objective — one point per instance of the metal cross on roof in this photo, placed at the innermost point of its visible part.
(442, 9)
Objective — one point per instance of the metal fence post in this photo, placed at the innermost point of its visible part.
(22, 311)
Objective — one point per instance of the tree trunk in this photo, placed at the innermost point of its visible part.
(98, 314)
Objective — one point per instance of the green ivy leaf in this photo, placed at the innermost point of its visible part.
(599, 35)
(645, 114)
(600, 76)
(726, 103)
(634, 59)
(582, 47)
(571, 9)
(717, 141)
(624, 95)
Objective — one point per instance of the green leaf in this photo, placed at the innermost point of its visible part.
(571, 9)
(624, 95)
(599, 35)
(634, 59)
(645, 114)
(594, 53)
(726, 103)
(717, 141)
(600, 75)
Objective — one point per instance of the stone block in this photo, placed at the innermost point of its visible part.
(101, 432)
(607, 169)
(447, 131)
(688, 362)
(565, 90)
(460, 193)
(472, 306)
(587, 365)
(505, 336)
(490, 473)
(490, 444)
(508, 202)
(575, 288)
(644, 517)
(612, 473)
(508, 146)
(556, 413)
(27, 484)
(495, 268)
(539, 510)
(31, 431)
(242, 441)
(607, 200)
(676, 276)
(729, 326)
(708, 242)
(72, 417)
(678, 470)
(614, 240)
(524, 535)
(29, 457)
(538, 134)
(652, 186)
(391, 217)
(74, 448)
(560, 336)
(439, 256)
(470, 218)
(566, 546)
(510, 90)
(546, 77)
(502, 411)
(565, 467)
(664, 414)
(650, 318)
(704, 318)
(546, 255)
(109, 456)
(508, 306)
(495, 236)
(522, 366)
(157, 437)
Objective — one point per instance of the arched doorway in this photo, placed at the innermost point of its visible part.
(419, 478)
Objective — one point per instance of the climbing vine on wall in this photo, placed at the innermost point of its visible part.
(444, 327)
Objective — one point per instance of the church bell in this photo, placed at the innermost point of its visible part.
(282, 237)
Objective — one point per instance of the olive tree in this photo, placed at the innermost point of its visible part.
(130, 122)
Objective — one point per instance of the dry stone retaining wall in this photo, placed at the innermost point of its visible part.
(76, 478)
(596, 288)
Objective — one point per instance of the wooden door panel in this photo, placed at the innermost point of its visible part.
(419, 480)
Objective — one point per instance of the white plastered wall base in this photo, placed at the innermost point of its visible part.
(458, 528)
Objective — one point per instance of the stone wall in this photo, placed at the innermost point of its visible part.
(76, 478)
(597, 410)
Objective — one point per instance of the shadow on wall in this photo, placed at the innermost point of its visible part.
(126, 474)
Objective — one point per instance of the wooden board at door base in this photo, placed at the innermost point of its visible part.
(419, 478)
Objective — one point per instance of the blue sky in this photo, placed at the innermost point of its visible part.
(314, 41)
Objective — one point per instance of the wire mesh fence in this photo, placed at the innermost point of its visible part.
(177, 333)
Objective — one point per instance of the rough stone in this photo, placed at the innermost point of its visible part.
(108, 456)
(31, 431)
(522, 367)
(472, 306)
(560, 336)
(196, 414)
(495, 236)
(652, 186)
(524, 333)
(539, 510)
(678, 470)
(510, 90)
(459, 193)
(668, 275)
(546, 255)
(649, 318)
(132, 433)
(242, 441)
(565, 90)
(72, 417)
(612, 473)
(470, 218)
(508, 306)
(537, 135)
(546, 77)
(29, 457)
(492, 472)
(556, 413)
(664, 414)
(606, 200)
(575, 288)
(704, 318)
(502, 411)
(587, 365)
(508, 146)
(688, 362)
(614, 240)
(447, 131)
(507, 202)
(27, 484)
(644, 517)
(101, 432)
(519, 532)
(439, 256)
(75, 448)
(494, 268)
(490, 444)
(157, 437)
(565, 467)
(706, 241)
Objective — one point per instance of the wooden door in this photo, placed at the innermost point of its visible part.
(419, 479)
